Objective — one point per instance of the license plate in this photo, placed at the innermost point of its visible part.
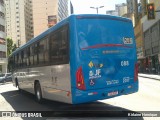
(113, 93)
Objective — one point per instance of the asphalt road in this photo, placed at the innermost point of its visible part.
(146, 99)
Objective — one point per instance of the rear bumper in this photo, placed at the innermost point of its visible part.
(79, 96)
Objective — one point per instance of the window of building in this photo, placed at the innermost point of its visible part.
(155, 49)
(2, 54)
(2, 2)
(2, 41)
(1, 15)
(2, 28)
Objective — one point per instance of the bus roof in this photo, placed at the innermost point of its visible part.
(61, 23)
(101, 16)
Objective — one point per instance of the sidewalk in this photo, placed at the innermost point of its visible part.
(156, 77)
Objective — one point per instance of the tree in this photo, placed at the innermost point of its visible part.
(14, 47)
(9, 46)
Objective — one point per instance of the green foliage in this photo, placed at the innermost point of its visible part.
(14, 48)
(10, 46)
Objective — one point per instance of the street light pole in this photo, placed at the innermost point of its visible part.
(97, 8)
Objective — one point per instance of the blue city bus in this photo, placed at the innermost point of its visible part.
(81, 59)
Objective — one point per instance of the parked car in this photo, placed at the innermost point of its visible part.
(5, 77)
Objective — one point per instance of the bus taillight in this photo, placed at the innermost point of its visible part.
(136, 72)
(80, 79)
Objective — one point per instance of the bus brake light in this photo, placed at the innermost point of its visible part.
(136, 72)
(80, 79)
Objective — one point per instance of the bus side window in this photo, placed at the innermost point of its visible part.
(22, 59)
(54, 48)
(28, 56)
(14, 62)
(36, 57)
(17, 60)
(31, 55)
(64, 45)
(59, 46)
(10, 64)
(46, 51)
(41, 52)
(25, 58)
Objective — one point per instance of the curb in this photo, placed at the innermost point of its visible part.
(149, 77)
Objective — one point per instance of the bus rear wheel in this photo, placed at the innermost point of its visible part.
(38, 92)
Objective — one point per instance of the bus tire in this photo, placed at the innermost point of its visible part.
(38, 92)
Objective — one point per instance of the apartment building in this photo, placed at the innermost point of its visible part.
(19, 21)
(151, 40)
(121, 8)
(3, 49)
(112, 12)
(132, 11)
(47, 13)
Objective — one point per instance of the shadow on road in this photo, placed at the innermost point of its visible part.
(23, 101)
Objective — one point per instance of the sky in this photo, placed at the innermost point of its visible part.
(83, 6)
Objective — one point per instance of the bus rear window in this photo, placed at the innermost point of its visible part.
(102, 31)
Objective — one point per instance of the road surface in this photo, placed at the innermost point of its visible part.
(146, 99)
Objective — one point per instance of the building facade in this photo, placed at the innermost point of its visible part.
(71, 8)
(62, 9)
(138, 30)
(121, 8)
(19, 21)
(156, 3)
(112, 12)
(136, 11)
(47, 13)
(3, 49)
(151, 40)
(143, 7)
(132, 11)
(151, 35)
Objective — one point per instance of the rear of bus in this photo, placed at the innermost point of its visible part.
(105, 64)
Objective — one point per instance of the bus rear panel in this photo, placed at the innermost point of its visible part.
(105, 65)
